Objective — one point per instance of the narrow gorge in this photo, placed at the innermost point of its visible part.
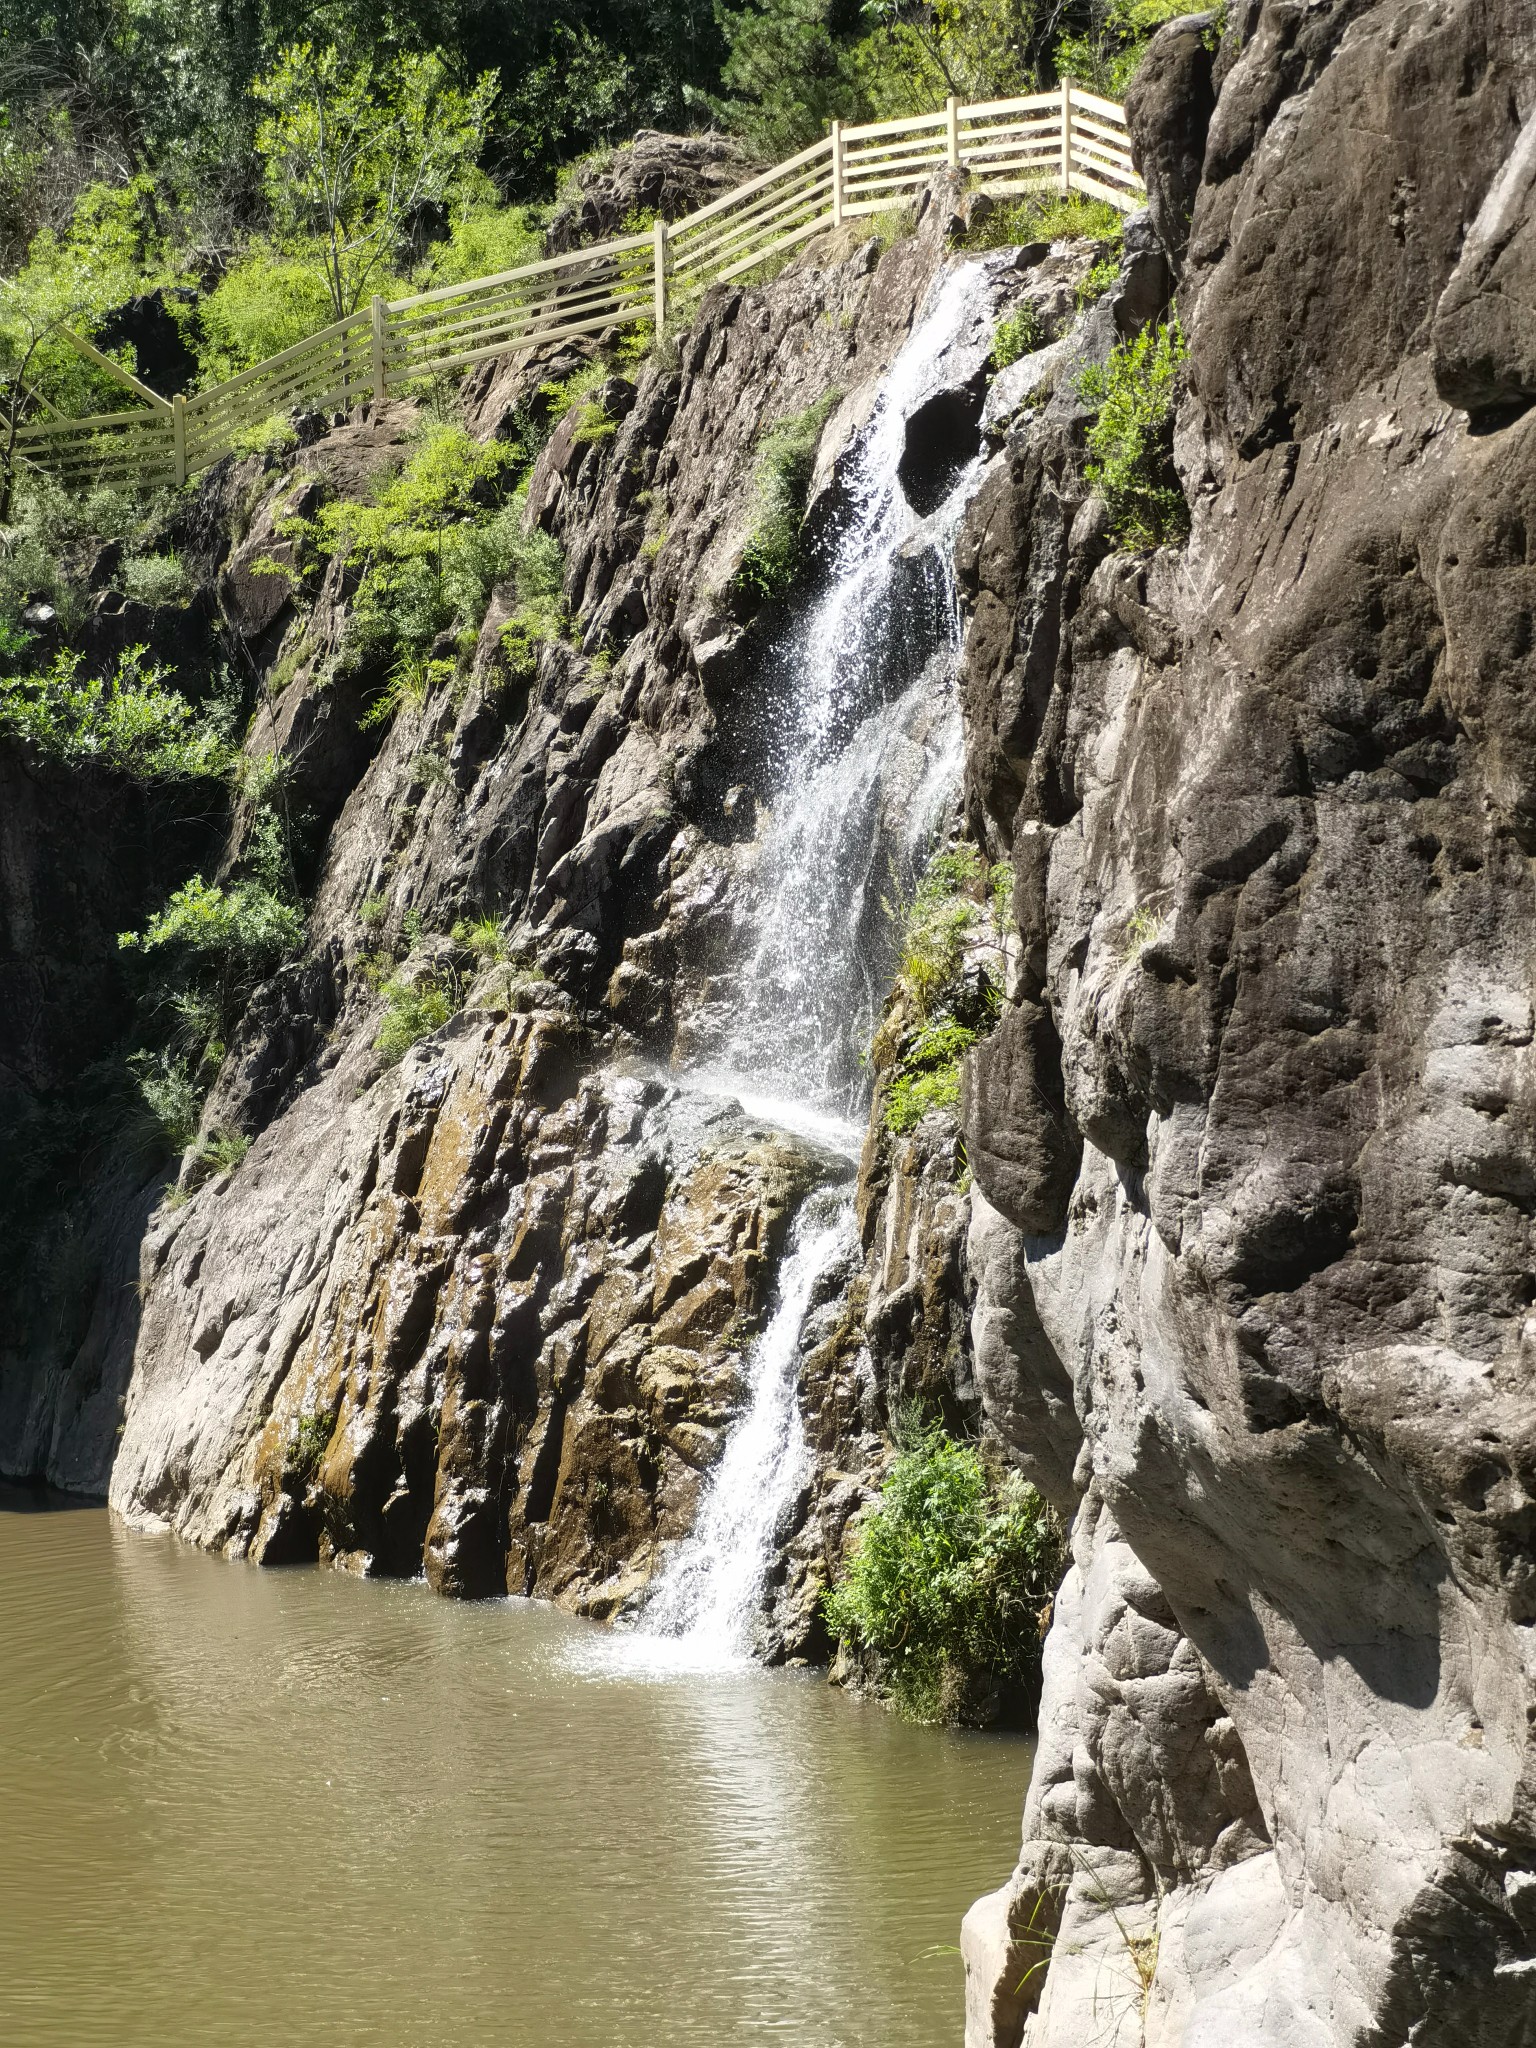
(591, 1204)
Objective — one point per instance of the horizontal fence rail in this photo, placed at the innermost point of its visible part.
(1067, 138)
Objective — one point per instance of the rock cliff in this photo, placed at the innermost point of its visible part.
(484, 1311)
(1242, 1281)
(1255, 1133)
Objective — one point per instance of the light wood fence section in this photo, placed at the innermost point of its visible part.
(1066, 139)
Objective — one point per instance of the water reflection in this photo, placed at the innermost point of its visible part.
(243, 1806)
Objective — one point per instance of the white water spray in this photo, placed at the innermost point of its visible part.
(867, 754)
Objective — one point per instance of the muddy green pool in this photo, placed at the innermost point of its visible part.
(289, 1807)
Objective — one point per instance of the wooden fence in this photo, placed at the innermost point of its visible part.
(1068, 139)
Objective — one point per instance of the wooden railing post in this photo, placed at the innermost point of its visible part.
(380, 336)
(837, 174)
(179, 436)
(661, 275)
(1066, 135)
(952, 110)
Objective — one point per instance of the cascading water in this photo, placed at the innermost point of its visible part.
(866, 751)
(709, 1593)
(865, 759)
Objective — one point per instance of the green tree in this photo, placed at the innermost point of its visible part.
(918, 51)
(789, 70)
(351, 152)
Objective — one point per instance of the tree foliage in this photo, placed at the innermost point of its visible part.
(351, 151)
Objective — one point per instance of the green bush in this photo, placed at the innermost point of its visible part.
(412, 1010)
(928, 1074)
(437, 537)
(245, 923)
(1105, 56)
(946, 995)
(483, 241)
(224, 1150)
(1019, 335)
(266, 302)
(131, 722)
(948, 1583)
(941, 926)
(157, 579)
(1102, 278)
(781, 482)
(1130, 443)
(1046, 215)
(170, 1096)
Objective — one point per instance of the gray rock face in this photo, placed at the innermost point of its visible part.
(1259, 1121)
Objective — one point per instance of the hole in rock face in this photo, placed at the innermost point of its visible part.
(942, 436)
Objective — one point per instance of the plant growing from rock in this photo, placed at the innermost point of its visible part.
(1130, 442)
(414, 1007)
(950, 1575)
(132, 722)
(946, 993)
(1019, 335)
(1045, 216)
(781, 483)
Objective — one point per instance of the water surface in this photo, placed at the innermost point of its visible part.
(260, 1807)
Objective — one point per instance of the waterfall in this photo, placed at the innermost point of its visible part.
(866, 747)
(707, 1598)
(865, 757)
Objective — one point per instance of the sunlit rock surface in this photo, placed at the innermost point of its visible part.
(1260, 1120)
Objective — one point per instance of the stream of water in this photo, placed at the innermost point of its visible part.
(866, 762)
(243, 1807)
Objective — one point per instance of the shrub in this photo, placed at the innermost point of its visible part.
(949, 1580)
(560, 398)
(1130, 443)
(224, 1150)
(275, 436)
(786, 462)
(939, 928)
(431, 546)
(157, 579)
(1105, 57)
(131, 722)
(171, 1097)
(1046, 215)
(946, 994)
(483, 937)
(1018, 336)
(308, 1444)
(246, 921)
(1103, 276)
(928, 1074)
(483, 241)
(265, 303)
(412, 1010)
